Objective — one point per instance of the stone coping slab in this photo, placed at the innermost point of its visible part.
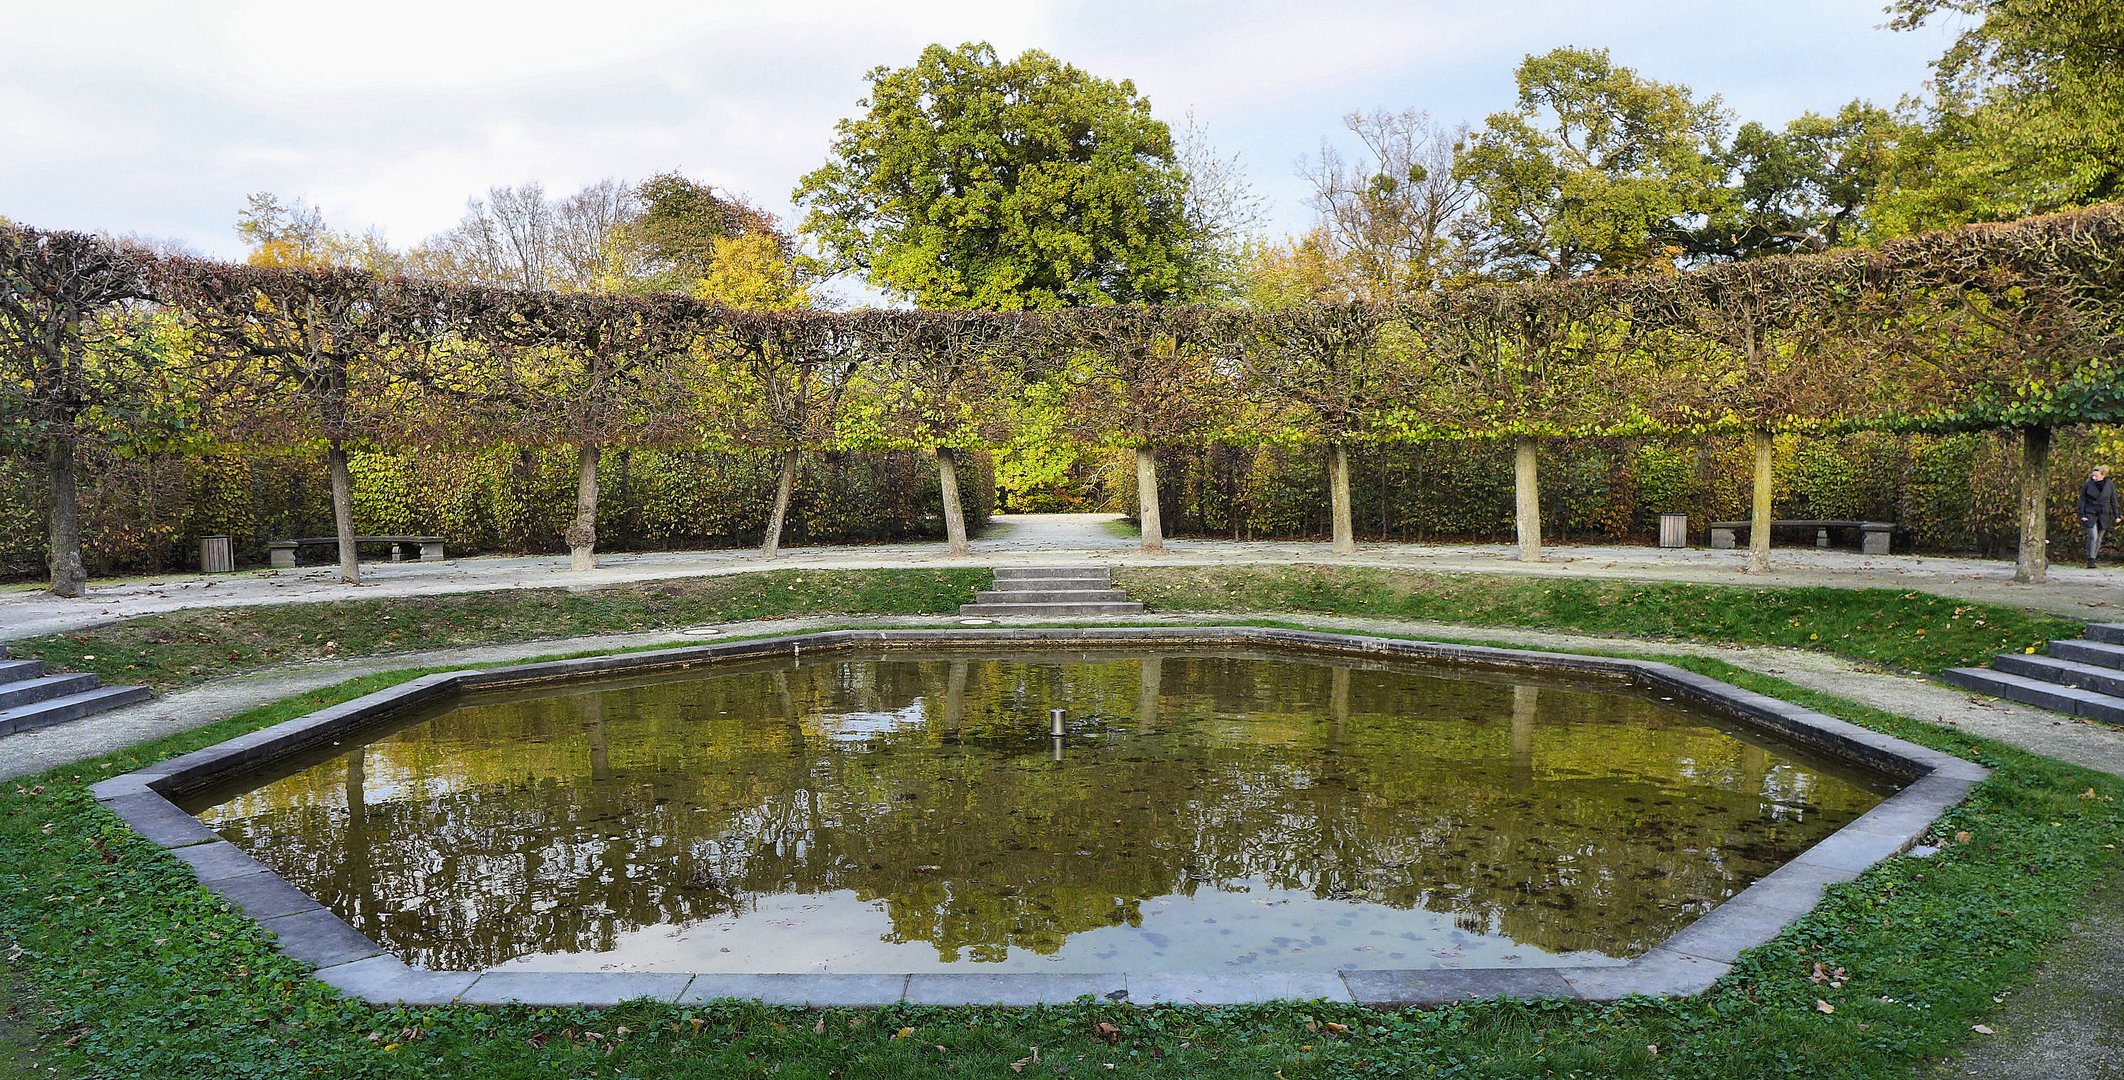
(1686, 963)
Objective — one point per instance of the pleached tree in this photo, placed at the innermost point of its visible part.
(1341, 369)
(1143, 378)
(937, 379)
(784, 375)
(293, 355)
(593, 371)
(1515, 363)
(55, 291)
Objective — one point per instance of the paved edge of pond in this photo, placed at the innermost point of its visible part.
(1687, 962)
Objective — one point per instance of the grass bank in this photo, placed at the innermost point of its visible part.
(185, 647)
(1910, 631)
(139, 972)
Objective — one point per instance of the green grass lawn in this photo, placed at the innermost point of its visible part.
(1906, 630)
(185, 647)
(1910, 631)
(127, 968)
(137, 971)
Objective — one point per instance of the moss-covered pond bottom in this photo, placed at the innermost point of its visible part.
(1202, 811)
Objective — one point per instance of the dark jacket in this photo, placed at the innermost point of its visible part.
(2098, 502)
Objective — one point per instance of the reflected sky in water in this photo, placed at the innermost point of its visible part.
(910, 812)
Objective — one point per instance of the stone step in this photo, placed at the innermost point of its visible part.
(1052, 610)
(2049, 695)
(1050, 596)
(2089, 652)
(1033, 585)
(18, 670)
(2107, 633)
(59, 710)
(1022, 573)
(2063, 672)
(44, 688)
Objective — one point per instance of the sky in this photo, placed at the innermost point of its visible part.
(157, 117)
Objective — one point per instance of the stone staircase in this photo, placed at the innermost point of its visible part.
(1049, 591)
(2083, 677)
(31, 699)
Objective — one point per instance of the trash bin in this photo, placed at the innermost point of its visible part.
(217, 555)
(1674, 530)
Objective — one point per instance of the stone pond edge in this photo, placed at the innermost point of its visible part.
(1686, 963)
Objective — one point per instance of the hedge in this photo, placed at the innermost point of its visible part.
(1952, 493)
(145, 515)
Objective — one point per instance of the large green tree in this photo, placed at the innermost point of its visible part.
(2027, 114)
(1598, 169)
(973, 182)
(1807, 187)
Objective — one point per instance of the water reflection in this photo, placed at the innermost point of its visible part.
(913, 812)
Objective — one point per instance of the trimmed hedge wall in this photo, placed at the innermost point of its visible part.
(1954, 494)
(145, 515)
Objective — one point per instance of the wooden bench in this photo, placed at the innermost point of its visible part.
(1874, 536)
(429, 548)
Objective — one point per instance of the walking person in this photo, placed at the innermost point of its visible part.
(2097, 510)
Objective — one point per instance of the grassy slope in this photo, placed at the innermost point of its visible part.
(1912, 631)
(157, 979)
(184, 647)
(1907, 630)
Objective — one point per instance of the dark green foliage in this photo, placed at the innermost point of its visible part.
(1951, 493)
(145, 514)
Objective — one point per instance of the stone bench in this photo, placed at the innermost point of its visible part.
(1874, 536)
(429, 548)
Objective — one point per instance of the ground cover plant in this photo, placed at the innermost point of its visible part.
(1906, 630)
(126, 967)
(185, 647)
(1911, 631)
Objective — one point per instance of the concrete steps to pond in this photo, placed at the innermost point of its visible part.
(31, 699)
(2081, 677)
(1050, 591)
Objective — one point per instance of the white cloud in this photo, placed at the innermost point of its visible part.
(157, 117)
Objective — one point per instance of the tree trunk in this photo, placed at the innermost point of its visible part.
(1759, 515)
(1526, 483)
(1150, 683)
(1345, 541)
(343, 512)
(69, 576)
(782, 491)
(2033, 564)
(1147, 500)
(954, 513)
(582, 536)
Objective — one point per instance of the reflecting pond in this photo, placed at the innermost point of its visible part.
(1205, 810)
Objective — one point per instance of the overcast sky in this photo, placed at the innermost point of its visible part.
(157, 117)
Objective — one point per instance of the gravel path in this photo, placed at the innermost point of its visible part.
(1062, 539)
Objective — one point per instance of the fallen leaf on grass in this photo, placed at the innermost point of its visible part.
(903, 1033)
(1982, 1029)
(1821, 1006)
(1109, 1032)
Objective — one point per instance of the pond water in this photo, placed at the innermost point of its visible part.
(896, 812)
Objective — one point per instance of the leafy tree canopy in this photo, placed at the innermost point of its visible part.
(1597, 170)
(1805, 188)
(973, 182)
(2028, 113)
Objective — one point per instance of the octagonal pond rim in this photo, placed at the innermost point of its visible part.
(1687, 962)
